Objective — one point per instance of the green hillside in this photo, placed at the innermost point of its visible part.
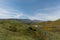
(17, 30)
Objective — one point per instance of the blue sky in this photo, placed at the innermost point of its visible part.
(30, 9)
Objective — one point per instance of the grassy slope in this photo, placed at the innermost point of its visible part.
(52, 36)
(7, 34)
(23, 34)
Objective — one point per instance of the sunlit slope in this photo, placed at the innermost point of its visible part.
(51, 36)
(17, 30)
(14, 30)
(6, 35)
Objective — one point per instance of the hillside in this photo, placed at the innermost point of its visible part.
(52, 26)
(15, 30)
(18, 30)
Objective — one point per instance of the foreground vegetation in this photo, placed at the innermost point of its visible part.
(18, 30)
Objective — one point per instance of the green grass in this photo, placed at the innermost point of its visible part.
(16, 30)
(8, 35)
(51, 36)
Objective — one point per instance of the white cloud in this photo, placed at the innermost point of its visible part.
(9, 13)
(48, 15)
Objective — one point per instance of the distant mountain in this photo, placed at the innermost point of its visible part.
(36, 20)
(24, 20)
(29, 21)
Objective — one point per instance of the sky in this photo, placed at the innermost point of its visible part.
(30, 9)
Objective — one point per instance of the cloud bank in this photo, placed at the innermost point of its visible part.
(47, 14)
(8, 13)
(8, 9)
